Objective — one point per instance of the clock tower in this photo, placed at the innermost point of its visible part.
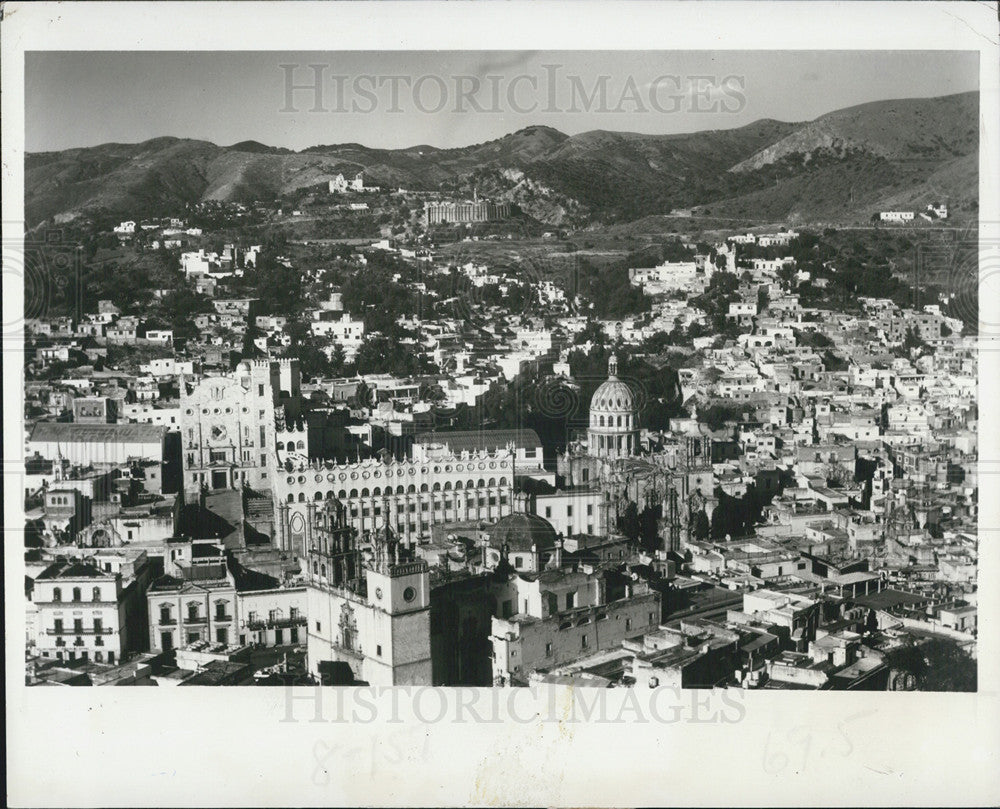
(367, 611)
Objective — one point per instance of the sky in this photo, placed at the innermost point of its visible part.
(448, 99)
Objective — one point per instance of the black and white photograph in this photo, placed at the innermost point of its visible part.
(597, 387)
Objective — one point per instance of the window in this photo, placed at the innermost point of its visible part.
(548, 649)
(57, 594)
(378, 651)
(164, 615)
(192, 612)
(584, 642)
(518, 562)
(98, 626)
(319, 626)
(58, 626)
(628, 624)
(570, 600)
(548, 511)
(220, 610)
(260, 390)
(222, 635)
(78, 625)
(293, 613)
(569, 511)
(77, 595)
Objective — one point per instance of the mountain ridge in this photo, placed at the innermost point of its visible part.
(602, 175)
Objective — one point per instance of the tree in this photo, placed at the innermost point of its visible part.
(700, 526)
(363, 395)
(629, 523)
(431, 392)
(937, 665)
(871, 622)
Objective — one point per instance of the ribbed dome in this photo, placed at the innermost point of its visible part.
(613, 396)
(520, 531)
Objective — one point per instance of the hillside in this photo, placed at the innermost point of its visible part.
(840, 167)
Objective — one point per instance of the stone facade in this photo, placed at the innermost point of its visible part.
(228, 424)
(468, 486)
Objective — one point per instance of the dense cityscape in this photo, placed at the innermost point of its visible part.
(353, 433)
(413, 460)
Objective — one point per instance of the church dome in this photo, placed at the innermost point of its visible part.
(613, 396)
(519, 532)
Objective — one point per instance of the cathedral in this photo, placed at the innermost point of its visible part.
(675, 479)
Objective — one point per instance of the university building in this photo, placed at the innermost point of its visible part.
(415, 495)
(228, 424)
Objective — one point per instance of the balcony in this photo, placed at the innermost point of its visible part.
(280, 623)
(69, 630)
(192, 620)
(171, 621)
(75, 605)
(217, 618)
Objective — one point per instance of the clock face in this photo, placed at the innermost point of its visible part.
(409, 594)
(218, 432)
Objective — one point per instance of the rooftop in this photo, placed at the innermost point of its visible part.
(482, 439)
(98, 433)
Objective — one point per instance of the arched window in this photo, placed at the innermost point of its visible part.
(77, 596)
(458, 485)
(318, 496)
(354, 493)
(365, 492)
(411, 489)
(342, 494)
(300, 445)
(436, 487)
(302, 497)
(492, 482)
(291, 497)
(602, 421)
(503, 481)
(399, 490)
(423, 487)
(376, 491)
(57, 594)
(447, 485)
(481, 483)
(96, 594)
(329, 494)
